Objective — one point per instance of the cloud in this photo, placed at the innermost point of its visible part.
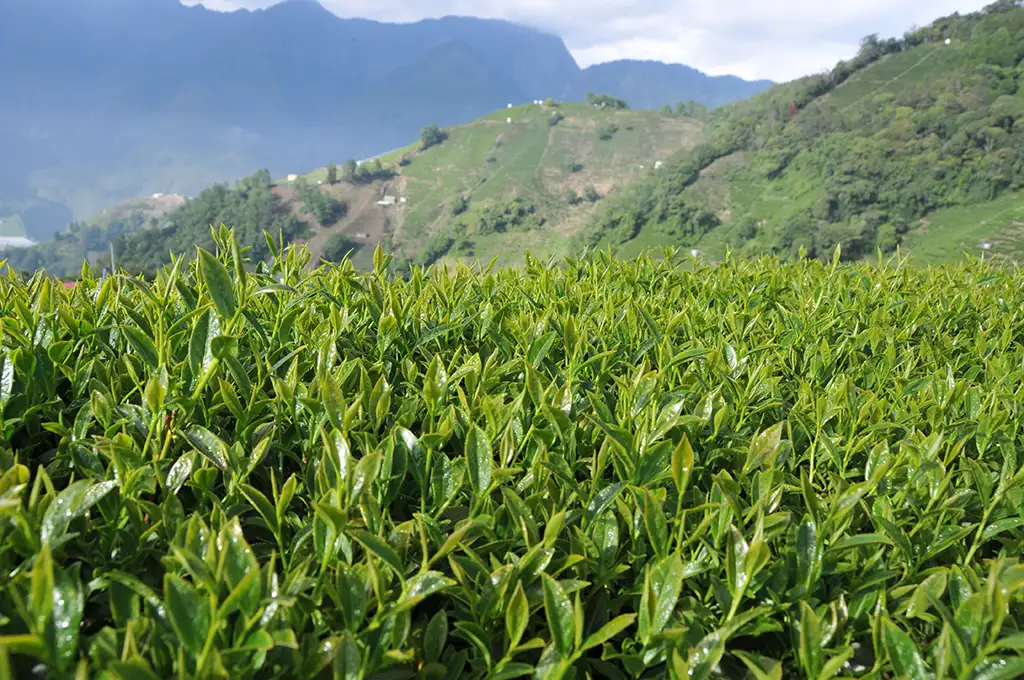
(776, 39)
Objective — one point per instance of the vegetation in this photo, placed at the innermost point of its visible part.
(604, 469)
(372, 171)
(489, 163)
(64, 254)
(603, 101)
(348, 170)
(338, 246)
(250, 204)
(607, 131)
(431, 136)
(856, 156)
(322, 206)
(692, 109)
(515, 215)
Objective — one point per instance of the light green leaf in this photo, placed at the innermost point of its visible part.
(218, 282)
(479, 460)
(143, 345)
(609, 630)
(208, 444)
(559, 613)
(763, 447)
(517, 615)
(903, 653)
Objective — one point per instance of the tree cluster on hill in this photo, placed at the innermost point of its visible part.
(325, 208)
(250, 207)
(606, 101)
(431, 136)
(364, 173)
(516, 214)
(689, 109)
(876, 164)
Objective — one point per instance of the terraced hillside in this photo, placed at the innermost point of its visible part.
(917, 144)
(490, 168)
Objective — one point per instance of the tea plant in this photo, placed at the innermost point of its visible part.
(602, 469)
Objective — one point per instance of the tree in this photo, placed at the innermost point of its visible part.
(332, 173)
(432, 136)
(571, 197)
(348, 170)
(590, 193)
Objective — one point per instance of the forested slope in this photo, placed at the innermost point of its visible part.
(857, 156)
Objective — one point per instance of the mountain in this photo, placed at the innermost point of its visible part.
(527, 177)
(103, 100)
(653, 84)
(916, 143)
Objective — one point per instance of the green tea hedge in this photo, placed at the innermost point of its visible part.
(597, 470)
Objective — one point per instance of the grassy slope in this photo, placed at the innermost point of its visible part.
(735, 188)
(952, 232)
(489, 161)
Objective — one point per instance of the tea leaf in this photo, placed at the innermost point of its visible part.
(479, 460)
(559, 613)
(218, 283)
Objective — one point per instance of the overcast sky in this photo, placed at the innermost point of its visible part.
(775, 39)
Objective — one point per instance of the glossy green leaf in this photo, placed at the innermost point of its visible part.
(218, 282)
(479, 460)
(559, 614)
(188, 613)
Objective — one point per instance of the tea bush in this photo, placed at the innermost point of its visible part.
(602, 469)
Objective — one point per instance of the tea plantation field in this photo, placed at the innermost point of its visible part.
(600, 469)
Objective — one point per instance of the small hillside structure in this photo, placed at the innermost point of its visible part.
(387, 200)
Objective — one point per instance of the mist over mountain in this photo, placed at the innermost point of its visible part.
(102, 100)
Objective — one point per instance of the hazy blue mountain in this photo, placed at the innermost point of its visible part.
(102, 100)
(652, 84)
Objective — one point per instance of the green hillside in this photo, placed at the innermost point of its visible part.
(917, 143)
(495, 188)
(521, 179)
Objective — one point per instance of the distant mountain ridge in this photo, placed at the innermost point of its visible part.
(101, 100)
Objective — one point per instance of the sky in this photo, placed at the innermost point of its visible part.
(774, 39)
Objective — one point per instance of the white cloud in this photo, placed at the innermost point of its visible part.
(776, 39)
